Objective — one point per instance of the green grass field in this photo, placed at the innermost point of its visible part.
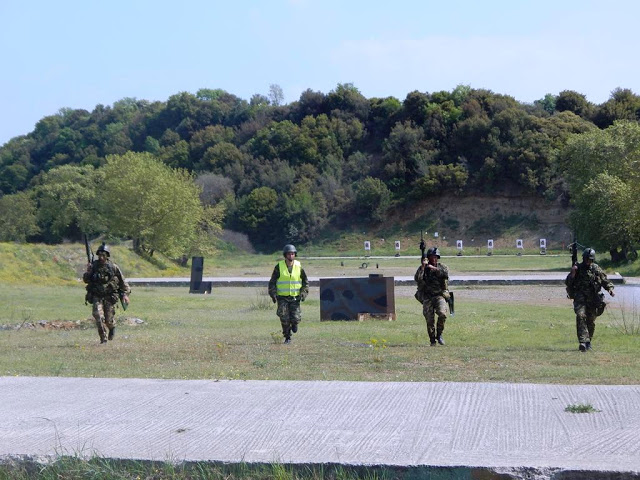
(505, 334)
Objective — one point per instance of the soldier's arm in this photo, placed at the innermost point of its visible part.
(443, 271)
(605, 282)
(123, 286)
(273, 290)
(304, 291)
(86, 276)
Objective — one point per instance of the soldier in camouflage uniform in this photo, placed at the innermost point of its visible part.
(105, 285)
(288, 287)
(583, 286)
(433, 291)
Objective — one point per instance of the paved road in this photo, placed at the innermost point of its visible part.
(522, 279)
(497, 425)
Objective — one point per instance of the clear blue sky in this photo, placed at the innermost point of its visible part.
(80, 53)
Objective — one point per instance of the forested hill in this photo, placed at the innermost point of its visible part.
(291, 171)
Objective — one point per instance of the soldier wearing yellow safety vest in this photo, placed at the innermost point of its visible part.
(288, 287)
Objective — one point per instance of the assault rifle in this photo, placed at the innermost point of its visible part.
(422, 244)
(574, 251)
(87, 248)
(574, 261)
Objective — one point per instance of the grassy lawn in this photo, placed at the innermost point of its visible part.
(502, 334)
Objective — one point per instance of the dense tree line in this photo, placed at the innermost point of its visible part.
(288, 171)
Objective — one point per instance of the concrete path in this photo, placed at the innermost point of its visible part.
(502, 426)
(498, 279)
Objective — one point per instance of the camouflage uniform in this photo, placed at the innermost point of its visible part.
(288, 306)
(433, 292)
(105, 283)
(584, 288)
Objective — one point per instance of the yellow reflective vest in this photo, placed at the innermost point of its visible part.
(289, 284)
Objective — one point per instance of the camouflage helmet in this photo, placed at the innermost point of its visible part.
(433, 251)
(289, 248)
(589, 253)
(104, 248)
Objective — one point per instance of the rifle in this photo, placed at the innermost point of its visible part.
(422, 244)
(87, 248)
(574, 261)
(450, 301)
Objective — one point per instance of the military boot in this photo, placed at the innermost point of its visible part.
(112, 332)
(294, 328)
(582, 347)
(440, 339)
(588, 345)
(287, 340)
(433, 341)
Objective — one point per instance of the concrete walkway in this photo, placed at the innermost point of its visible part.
(498, 279)
(504, 427)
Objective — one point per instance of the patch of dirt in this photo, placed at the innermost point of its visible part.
(68, 325)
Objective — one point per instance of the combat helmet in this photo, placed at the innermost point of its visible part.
(104, 248)
(433, 251)
(289, 248)
(589, 253)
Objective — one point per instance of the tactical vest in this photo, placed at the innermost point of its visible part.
(289, 284)
(433, 284)
(103, 281)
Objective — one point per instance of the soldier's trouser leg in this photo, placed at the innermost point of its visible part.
(295, 315)
(289, 313)
(440, 307)
(585, 322)
(429, 315)
(110, 317)
(99, 317)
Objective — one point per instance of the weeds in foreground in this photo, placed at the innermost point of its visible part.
(581, 408)
(262, 301)
(626, 320)
(76, 468)
(276, 337)
(378, 347)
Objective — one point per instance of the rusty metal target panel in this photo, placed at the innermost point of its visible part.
(349, 298)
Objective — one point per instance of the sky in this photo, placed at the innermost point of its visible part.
(81, 53)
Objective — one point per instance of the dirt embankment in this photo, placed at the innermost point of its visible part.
(504, 219)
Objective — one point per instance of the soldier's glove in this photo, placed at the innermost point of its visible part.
(303, 296)
(273, 297)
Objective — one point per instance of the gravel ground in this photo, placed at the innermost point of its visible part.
(531, 294)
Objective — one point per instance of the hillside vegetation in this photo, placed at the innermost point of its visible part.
(469, 163)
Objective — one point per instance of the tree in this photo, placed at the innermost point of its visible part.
(67, 202)
(372, 198)
(440, 179)
(276, 95)
(348, 99)
(17, 217)
(602, 170)
(623, 105)
(257, 210)
(155, 205)
(405, 155)
(574, 102)
(615, 150)
(606, 216)
(547, 103)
